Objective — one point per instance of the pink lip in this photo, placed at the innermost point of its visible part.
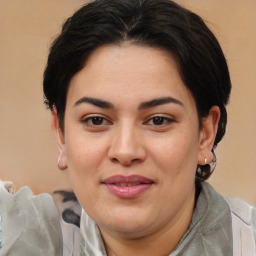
(127, 186)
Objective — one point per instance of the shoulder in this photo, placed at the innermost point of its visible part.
(29, 224)
(243, 211)
(238, 208)
(243, 226)
(240, 215)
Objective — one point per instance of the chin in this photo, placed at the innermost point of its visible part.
(129, 224)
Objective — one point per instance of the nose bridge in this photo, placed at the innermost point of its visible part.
(126, 146)
(126, 139)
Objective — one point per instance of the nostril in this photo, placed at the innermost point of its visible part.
(114, 160)
(126, 162)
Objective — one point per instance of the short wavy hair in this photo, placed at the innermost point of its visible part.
(157, 23)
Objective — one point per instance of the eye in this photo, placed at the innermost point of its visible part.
(159, 121)
(95, 121)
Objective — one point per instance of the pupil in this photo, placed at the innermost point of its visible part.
(158, 120)
(97, 120)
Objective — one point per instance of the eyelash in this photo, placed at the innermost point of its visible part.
(165, 120)
(89, 121)
(162, 121)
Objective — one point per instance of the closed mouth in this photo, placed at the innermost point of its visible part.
(131, 180)
(127, 187)
(127, 184)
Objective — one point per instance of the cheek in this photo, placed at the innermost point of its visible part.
(176, 153)
(85, 156)
(84, 152)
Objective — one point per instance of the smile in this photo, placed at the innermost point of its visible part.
(127, 187)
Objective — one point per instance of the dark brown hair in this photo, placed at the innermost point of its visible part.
(156, 23)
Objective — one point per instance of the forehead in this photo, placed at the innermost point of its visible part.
(117, 72)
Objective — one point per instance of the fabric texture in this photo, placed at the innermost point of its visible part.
(243, 227)
(29, 224)
(69, 212)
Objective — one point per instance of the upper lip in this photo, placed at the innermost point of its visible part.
(127, 179)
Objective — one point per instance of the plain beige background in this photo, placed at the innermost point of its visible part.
(28, 154)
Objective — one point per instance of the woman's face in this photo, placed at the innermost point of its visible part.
(132, 140)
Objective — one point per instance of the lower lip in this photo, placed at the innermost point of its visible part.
(128, 191)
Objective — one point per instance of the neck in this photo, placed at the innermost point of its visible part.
(161, 242)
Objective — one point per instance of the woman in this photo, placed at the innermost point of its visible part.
(138, 91)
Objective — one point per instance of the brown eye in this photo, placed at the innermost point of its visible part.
(158, 120)
(97, 120)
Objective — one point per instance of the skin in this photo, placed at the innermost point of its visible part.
(161, 142)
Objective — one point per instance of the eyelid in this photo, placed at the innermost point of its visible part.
(88, 117)
(168, 118)
(93, 115)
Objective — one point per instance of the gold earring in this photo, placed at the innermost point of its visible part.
(205, 161)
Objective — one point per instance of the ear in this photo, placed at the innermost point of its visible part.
(62, 160)
(207, 135)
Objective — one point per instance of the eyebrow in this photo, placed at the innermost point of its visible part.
(147, 104)
(159, 101)
(96, 102)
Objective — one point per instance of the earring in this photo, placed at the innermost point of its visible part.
(62, 164)
(205, 161)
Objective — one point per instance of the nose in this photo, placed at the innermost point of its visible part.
(126, 146)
